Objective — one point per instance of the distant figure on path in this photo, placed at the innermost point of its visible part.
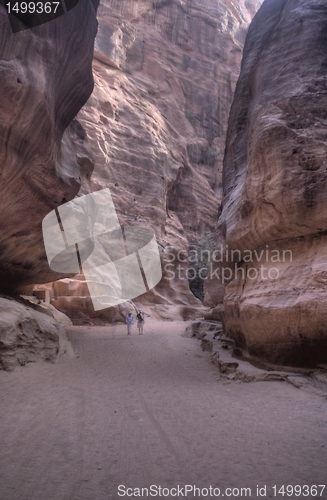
(140, 322)
(129, 321)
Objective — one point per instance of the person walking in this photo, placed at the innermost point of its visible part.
(129, 322)
(140, 322)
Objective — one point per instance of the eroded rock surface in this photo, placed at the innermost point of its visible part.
(165, 74)
(45, 78)
(27, 335)
(275, 176)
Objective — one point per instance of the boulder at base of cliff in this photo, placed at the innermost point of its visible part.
(27, 335)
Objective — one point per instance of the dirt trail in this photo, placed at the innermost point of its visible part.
(151, 410)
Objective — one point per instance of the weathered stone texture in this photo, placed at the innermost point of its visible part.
(45, 78)
(164, 73)
(274, 181)
(27, 335)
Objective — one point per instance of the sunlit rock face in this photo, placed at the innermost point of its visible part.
(45, 78)
(165, 73)
(275, 181)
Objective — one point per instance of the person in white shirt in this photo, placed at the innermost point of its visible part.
(129, 322)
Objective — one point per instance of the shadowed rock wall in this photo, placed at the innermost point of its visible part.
(45, 78)
(275, 187)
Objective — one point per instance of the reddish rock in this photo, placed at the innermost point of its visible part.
(164, 73)
(274, 184)
(45, 78)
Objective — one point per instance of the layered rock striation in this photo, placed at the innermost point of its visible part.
(165, 73)
(274, 219)
(45, 78)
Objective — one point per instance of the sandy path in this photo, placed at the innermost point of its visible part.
(137, 411)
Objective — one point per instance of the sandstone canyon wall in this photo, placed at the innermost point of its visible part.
(45, 78)
(275, 185)
(165, 73)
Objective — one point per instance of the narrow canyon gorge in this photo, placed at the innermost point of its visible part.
(163, 277)
(212, 173)
(165, 74)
